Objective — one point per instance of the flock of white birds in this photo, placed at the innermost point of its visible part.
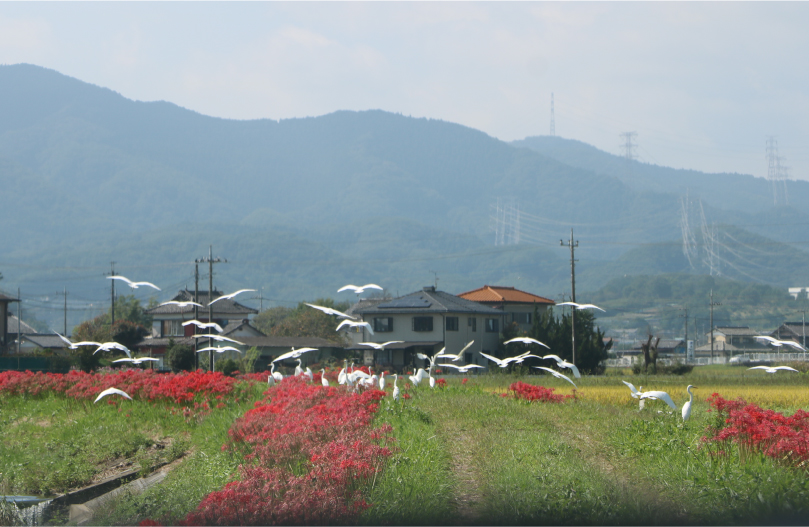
(357, 379)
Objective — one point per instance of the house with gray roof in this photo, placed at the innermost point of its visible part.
(426, 321)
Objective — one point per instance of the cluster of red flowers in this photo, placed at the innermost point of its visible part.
(529, 392)
(441, 383)
(309, 451)
(753, 428)
(182, 388)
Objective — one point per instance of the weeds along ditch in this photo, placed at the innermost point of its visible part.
(486, 449)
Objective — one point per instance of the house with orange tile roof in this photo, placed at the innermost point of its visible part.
(517, 306)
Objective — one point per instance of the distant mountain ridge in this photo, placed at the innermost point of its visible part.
(301, 206)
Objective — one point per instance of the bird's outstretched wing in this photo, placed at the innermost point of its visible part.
(231, 295)
(110, 391)
(147, 284)
(662, 396)
(526, 340)
(557, 375)
(631, 387)
(497, 361)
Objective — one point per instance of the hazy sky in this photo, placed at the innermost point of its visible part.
(703, 84)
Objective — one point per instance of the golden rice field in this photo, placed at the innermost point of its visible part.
(767, 396)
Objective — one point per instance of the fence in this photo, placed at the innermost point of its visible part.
(49, 364)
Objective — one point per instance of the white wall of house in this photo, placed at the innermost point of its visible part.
(454, 329)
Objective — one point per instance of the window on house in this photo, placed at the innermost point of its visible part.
(172, 328)
(422, 323)
(492, 325)
(452, 323)
(383, 324)
(472, 323)
(521, 318)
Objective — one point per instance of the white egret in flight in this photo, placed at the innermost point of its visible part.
(294, 354)
(108, 346)
(218, 338)
(231, 295)
(455, 358)
(133, 285)
(557, 375)
(204, 325)
(110, 391)
(778, 343)
(770, 369)
(661, 396)
(580, 306)
(381, 346)
(360, 289)
(353, 324)
(526, 340)
(330, 311)
(561, 363)
(137, 360)
(180, 304)
(461, 369)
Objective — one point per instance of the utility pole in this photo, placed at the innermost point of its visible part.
(196, 311)
(19, 323)
(685, 316)
(65, 329)
(712, 304)
(112, 296)
(211, 260)
(572, 246)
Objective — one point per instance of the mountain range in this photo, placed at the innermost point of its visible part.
(300, 207)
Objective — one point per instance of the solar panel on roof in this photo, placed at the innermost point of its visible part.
(407, 301)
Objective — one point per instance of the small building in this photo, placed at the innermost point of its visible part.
(736, 336)
(794, 331)
(426, 321)
(517, 306)
(5, 340)
(666, 348)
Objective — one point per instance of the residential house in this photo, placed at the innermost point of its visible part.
(31, 341)
(795, 331)
(517, 306)
(168, 321)
(427, 321)
(666, 348)
(271, 347)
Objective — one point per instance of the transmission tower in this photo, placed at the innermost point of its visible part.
(506, 222)
(777, 171)
(553, 118)
(628, 146)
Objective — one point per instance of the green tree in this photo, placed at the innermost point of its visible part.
(269, 318)
(304, 321)
(180, 356)
(249, 364)
(591, 351)
(226, 366)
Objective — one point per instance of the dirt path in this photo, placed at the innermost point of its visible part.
(467, 498)
(592, 452)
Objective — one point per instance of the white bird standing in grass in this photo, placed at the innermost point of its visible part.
(432, 381)
(323, 380)
(557, 375)
(308, 374)
(353, 324)
(526, 340)
(277, 375)
(455, 358)
(580, 306)
(772, 369)
(298, 369)
(395, 387)
(204, 325)
(133, 285)
(360, 289)
(230, 296)
(342, 376)
(382, 381)
(111, 391)
(330, 311)
(687, 406)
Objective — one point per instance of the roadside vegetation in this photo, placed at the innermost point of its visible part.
(490, 449)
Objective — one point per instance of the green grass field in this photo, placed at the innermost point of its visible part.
(464, 455)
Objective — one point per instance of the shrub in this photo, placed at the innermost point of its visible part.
(180, 356)
(226, 366)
